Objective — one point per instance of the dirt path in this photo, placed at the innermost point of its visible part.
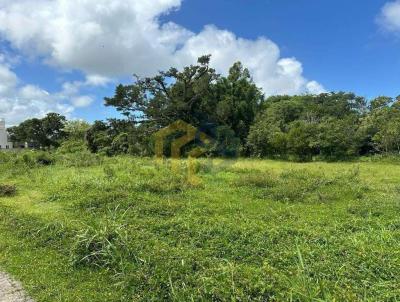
(11, 291)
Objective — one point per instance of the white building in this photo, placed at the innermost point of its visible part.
(4, 143)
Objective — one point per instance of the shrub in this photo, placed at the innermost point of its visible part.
(27, 159)
(33, 158)
(7, 190)
(44, 159)
(257, 179)
(200, 165)
(79, 160)
(72, 146)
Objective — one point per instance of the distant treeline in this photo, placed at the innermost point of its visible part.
(234, 112)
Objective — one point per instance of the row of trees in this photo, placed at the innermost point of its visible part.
(233, 111)
(333, 126)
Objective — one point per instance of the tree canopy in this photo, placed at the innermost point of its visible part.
(40, 133)
(233, 111)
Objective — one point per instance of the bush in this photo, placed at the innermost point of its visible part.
(257, 180)
(7, 190)
(27, 159)
(72, 146)
(79, 160)
(44, 159)
(34, 158)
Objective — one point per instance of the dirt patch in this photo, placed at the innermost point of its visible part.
(11, 291)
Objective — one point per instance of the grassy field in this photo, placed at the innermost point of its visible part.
(128, 229)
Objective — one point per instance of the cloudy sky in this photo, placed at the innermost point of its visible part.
(66, 55)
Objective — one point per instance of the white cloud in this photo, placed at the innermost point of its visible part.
(34, 93)
(8, 80)
(106, 37)
(71, 90)
(389, 17)
(21, 101)
(82, 101)
(314, 87)
(110, 38)
(97, 80)
(274, 74)
(25, 102)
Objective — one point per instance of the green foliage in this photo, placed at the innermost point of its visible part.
(40, 133)
(44, 159)
(196, 95)
(79, 159)
(119, 137)
(225, 143)
(304, 127)
(238, 100)
(76, 130)
(23, 162)
(72, 146)
(232, 112)
(301, 140)
(168, 97)
(381, 126)
(339, 138)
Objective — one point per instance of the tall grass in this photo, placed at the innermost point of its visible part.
(302, 185)
(247, 231)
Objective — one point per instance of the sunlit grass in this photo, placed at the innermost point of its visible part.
(133, 229)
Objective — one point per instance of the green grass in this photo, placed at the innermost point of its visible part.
(128, 229)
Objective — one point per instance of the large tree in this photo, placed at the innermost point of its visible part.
(169, 96)
(238, 100)
(196, 95)
(381, 127)
(40, 133)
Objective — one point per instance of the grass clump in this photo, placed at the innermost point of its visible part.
(102, 247)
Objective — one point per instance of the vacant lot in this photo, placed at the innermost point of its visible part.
(127, 229)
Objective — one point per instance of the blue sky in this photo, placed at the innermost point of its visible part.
(338, 42)
(65, 56)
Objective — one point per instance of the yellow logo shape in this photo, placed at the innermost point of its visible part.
(191, 133)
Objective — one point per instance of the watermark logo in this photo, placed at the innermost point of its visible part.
(203, 144)
(190, 134)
